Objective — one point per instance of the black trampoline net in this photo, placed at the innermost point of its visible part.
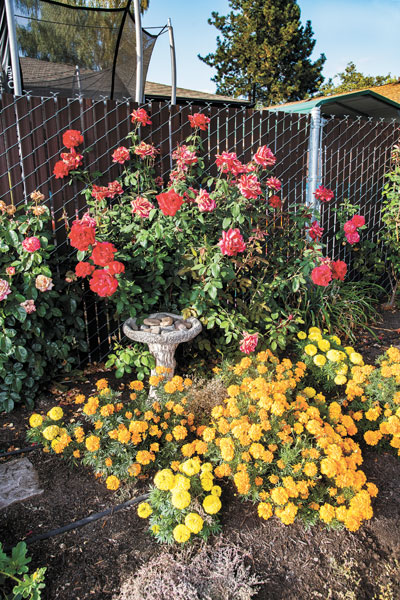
(76, 48)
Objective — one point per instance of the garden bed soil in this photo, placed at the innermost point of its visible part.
(295, 563)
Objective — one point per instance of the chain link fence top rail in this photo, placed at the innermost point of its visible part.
(354, 156)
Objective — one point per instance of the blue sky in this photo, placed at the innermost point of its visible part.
(364, 31)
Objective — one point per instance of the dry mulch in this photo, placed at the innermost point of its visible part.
(295, 563)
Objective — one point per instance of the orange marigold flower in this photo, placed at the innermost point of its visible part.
(80, 399)
(112, 482)
(223, 470)
(108, 462)
(76, 453)
(144, 457)
(102, 384)
(136, 385)
(169, 387)
(264, 510)
(92, 443)
(134, 470)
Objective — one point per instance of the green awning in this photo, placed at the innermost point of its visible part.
(365, 103)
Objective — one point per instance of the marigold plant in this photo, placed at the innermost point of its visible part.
(286, 448)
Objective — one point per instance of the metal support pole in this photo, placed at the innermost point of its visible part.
(314, 147)
(173, 62)
(139, 53)
(12, 40)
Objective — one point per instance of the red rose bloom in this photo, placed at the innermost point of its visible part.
(321, 275)
(315, 231)
(120, 155)
(249, 186)
(31, 244)
(275, 202)
(264, 157)
(60, 169)
(199, 120)
(115, 267)
(228, 162)
(140, 117)
(72, 159)
(353, 238)
(323, 194)
(102, 283)
(358, 220)
(82, 236)
(274, 183)
(103, 253)
(350, 227)
(339, 269)
(72, 138)
(99, 192)
(169, 202)
(83, 269)
(114, 188)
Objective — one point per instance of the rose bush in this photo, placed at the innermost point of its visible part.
(224, 249)
(39, 317)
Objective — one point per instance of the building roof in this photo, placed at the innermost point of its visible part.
(377, 102)
(159, 90)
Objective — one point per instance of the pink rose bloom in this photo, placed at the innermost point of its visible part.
(274, 183)
(315, 231)
(4, 289)
(228, 162)
(251, 167)
(142, 207)
(352, 238)
(29, 306)
(159, 181)
(321, 275)
(87, 220)
(204, 202)
(339, 269)
(249, 342)
(232, 242)
(114, 188)
(144, 150)
(31, 244)
(358, 220)
(72, 159)
(99, 192)
(43, 283)
(323, 194)
(120, 155)
(249, 186)
(264, 157)
(184, 157)
(10, 271)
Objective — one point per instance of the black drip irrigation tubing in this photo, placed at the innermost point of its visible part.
(81, 522)
(21, 450)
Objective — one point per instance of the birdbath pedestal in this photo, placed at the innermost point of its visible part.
(162, 332)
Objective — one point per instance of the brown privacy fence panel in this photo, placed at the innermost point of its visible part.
(354, 156)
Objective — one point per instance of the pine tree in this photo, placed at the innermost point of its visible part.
(351, 79)
(264, 52)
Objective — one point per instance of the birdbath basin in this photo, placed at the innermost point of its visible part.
(162, 332)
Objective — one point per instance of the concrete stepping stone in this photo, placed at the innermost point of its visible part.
(18, 481)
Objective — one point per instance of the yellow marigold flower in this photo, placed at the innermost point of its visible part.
(56, 413)
(315, 336)
(187, 382)
(50, 432)
(264, 510)
(301, 335)
(212, 504)
(104, 392)
(102, 384)
(372, 437)
(310, 469)
(169, 437)
(35, 420)
(179, 432)
(336, 339)
(112, 482)
(340, 379)
(181, 533)
(76, 454)
(164, 479)
(194, 522)
(342, 370)
(279, 495)
(356, 358)
(333, 355)
(144, 510)
(107, 410)
(216, 490)
(349, 350)
(280, 464)
(155, 528)
(92, 443)
(154, 380)
(319, 360)
(233, 391)
(108, 462)
(227, 449)
(309, 392)
(144, 457)
(124, 436)
(180, 499)
(315, 330)
(273, 479)
(287, 514)
(181, 482)
(190, 467)
(327, 512)
(323, 345)
(170, 387)
(79, 434)
(80, 399)
(310, 350)
(136, 385)
(208, 434)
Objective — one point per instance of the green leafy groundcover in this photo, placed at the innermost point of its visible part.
(41, 326)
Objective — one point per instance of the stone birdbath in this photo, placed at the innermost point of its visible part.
(162, 332)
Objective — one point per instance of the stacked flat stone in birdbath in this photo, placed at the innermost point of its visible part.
(162, 332)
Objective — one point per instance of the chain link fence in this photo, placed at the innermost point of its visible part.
(354, 156)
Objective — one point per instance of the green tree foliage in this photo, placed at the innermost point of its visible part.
(75, 37)
(351, 79)
(264, 52)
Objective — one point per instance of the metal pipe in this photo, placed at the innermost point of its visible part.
(313, 157)
(173, 62)
(12, 40)
(139, 53)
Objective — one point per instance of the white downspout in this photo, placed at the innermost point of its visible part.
(173, 62)
(139, 53)
(12, 40)
(314, 148)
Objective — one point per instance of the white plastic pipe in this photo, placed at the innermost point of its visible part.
(139, 53)
(173, 62)
(313, 157)
(12, 40)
